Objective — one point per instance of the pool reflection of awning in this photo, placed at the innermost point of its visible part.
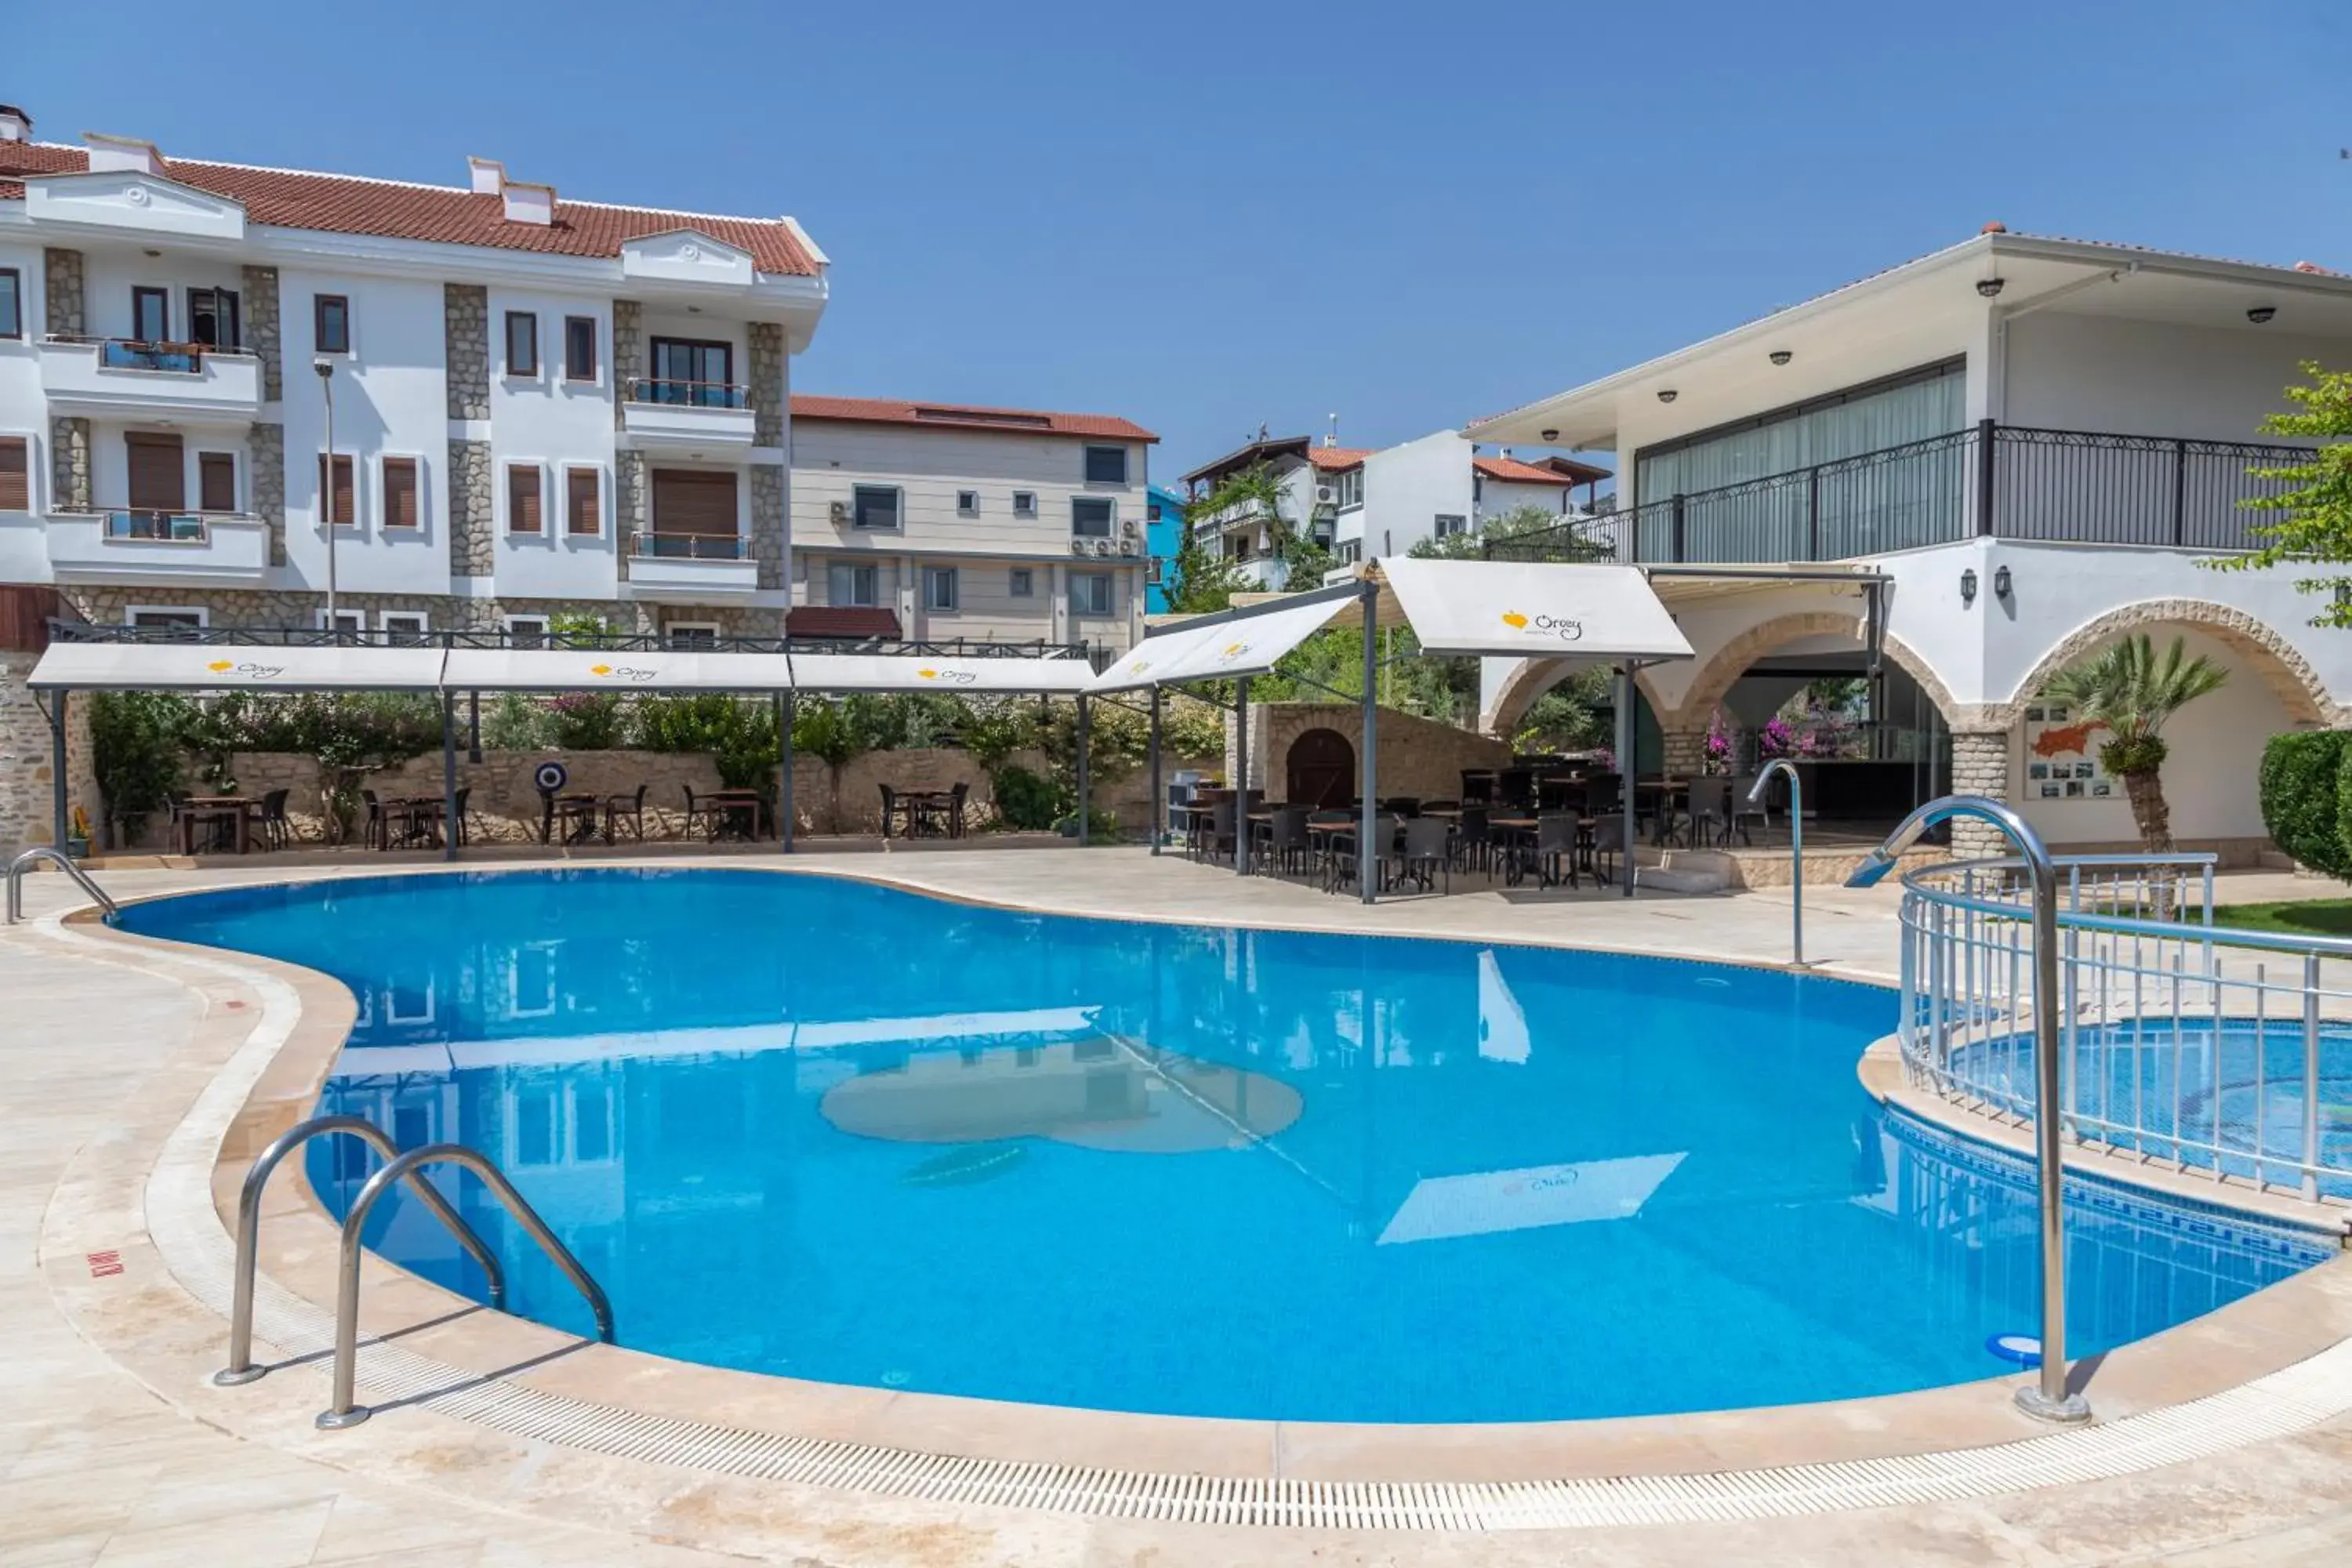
(1502, 1022)
(1487, 1202)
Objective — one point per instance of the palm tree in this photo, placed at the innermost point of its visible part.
(2132, 691)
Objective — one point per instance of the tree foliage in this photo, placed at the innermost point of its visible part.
(2133, 690)
(2313, 516)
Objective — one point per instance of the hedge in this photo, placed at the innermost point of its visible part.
(2307, 793)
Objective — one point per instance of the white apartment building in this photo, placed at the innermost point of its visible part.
(940, 521)
(1957, 477)
(538, 406)
(1358, 502)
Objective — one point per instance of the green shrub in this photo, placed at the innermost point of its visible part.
(517, 723)
(587, 720)
(1026, 801)
(136, 740)
(2306, 779)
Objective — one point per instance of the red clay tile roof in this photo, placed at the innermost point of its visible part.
(965, 416)
(343, 204)
(1510, 471)
(841, 621)
(1331, 459)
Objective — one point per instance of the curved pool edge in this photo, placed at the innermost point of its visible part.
(891, 1434)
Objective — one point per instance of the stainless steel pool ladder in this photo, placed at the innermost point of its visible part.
(63, 861)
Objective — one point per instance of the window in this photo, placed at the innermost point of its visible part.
(1350, 551)
(158, 618)
(216, 481)
(1105, 465)
(873, 506)
(522, 343)
(691, 634)
(404, 628)
(1350, 487)
(347, 623)
(16, 474)
(967, 504)
(400, 510)
(331, 324)
(579, 348)
(1090, 593)
(151, 315)
(527, 631)
(534, 1125)
(851, 585)
(1024, 583)
(212, 318)
(584, 501)
(938, 587)
(1091, 516)
(690, 371)
(12, 303)
(591, 1122)
(346, 514)
(523, 489)
(1449, 523)
(1024, 503)
(1151, 512)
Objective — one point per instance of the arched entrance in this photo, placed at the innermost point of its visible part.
(1321, 770)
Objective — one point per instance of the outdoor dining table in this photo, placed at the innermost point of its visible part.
(422, 812)
(210, 810)
(577, 813)
(739, 813)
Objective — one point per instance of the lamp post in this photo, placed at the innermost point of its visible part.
(2049, 1399)
(325, 366)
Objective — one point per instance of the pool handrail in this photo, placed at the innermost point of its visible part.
(345, 1410)
(63, 861)
(240, 1369)
(1796, 846)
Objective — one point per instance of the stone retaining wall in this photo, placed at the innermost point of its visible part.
(1417, 756)
(28, 759)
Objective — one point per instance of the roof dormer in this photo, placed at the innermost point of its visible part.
(111, 154)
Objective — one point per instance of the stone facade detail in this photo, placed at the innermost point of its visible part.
(767, 393)
(466, 312)
(628, 351)
(634, 502)
(69, 482)
(1981, 765)
(1686, 752)
(267, 446)
(768, 525)
(2281, 668)
(61, 286)
(1417, 756)
(262, 330)
(472, 523)
(28, 759)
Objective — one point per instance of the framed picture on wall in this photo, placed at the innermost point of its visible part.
(2063, 756)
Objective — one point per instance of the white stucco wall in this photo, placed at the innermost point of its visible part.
(2108, 373)
(24, 542)
(557, 423)
(1408, 485)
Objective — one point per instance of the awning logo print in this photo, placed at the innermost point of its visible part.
(249, 670)
(952, 677)
(1564, 628)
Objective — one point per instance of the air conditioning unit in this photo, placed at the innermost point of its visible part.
(840, 510)
(1325, 495)
(1130, 527)
(1102, 546)
(1077, 547)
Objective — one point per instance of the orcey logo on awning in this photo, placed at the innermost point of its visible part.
(622, 672)
(953, 676)
(1566, 629)
(249, 670)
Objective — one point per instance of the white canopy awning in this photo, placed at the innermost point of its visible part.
(606, 670)
(1251, 644)
(199, 667)
(900, 672)
(1512, 609)
(1147, 662)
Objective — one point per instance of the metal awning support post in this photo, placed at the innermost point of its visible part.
(1159, 795)
(787, 812)
(60, 811)
(1628, 771)
(474, 727)
(1085, 738)
(1241, 777)
(1367, 781)
(448, 775)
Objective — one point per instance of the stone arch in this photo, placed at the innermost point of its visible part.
(1720, 669)
(2280, 665)
(1530, 680)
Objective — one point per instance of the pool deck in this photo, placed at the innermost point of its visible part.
(113, 1448)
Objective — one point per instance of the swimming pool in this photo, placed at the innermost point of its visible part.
(821, 1128)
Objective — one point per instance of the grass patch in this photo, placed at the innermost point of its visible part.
(2297, 917)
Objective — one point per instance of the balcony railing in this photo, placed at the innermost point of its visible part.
(689, 547)
(130, 353)
(161, 527)
(603, 642)
(686, 393)
(1991, 480)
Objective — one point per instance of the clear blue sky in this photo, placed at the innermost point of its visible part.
(1205, 215)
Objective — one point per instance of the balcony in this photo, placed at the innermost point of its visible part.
(1994, 481)
(694, 568)
(196, 548)
(118, 378)
(685, 416)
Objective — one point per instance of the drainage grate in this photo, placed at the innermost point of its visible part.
(195, 1247)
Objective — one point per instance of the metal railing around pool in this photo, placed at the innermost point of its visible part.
(2196, 1046)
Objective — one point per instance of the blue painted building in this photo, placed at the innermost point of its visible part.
(1163, 534)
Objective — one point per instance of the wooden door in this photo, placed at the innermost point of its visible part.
(1320, 771)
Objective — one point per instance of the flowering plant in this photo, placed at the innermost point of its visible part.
(1776, 738)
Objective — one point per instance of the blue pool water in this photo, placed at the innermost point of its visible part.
(834, 1130)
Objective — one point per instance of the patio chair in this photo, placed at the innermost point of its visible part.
(956, 798)
(1427, 850)
(626, 807)
(1556, 847)
(1516, 787)
(891, 809)
(1338, 850)
(1288, 846)
(1219, 840)
(1478, 786)
(708, 815)
(1603, 791)
(1474, 840)
(458, 824)
(1742, 814)
(1711, 811)
(378, 825)
(1605, 841)
(268, 820)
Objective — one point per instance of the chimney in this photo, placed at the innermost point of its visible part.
(15, 125)
(526, 202)
(108, 153)
(490, 175)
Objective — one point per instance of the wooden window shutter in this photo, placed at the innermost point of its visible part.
(690, 502)
(522, 499)
(215, 481)
(400, 492)
(16, 474)
(583, 511)
(345, 511)
(158, 477)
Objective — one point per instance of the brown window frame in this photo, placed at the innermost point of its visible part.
(572, 499)
(347, 470)
(207, 465)
(538, 472)
(414, 491)
(513, 366)
(23, 476)
(573, 369)
(319, 303)
(16, 281)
